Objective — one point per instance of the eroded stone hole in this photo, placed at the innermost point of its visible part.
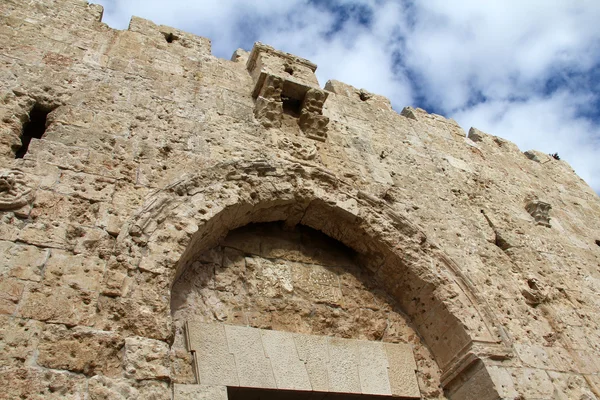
(169, 37)
(598, 242)
(35, 127)
(291, 106)
(289, 69)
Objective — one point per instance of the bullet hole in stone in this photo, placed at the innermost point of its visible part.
(34, 127)
(291, 106)
(170, 38)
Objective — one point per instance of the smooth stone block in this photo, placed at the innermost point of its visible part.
(253, 367)
(373, 368)
(312, 350)
(401, 372)
(215, 365)
(343, 365)
(289, 371)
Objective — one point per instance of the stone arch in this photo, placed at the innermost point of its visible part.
(193, 214)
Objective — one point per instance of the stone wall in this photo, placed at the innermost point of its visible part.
(154, 149)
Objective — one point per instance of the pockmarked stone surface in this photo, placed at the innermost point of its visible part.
(270, 359)
(147, 183)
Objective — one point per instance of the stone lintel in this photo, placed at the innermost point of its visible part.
(267, 359)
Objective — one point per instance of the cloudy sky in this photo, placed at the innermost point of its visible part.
(525, 70)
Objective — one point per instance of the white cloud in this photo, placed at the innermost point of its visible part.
(484, 63)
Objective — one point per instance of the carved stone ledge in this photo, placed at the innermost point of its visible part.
(15, 191)
(284, 83)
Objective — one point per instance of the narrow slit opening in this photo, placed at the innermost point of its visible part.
(34, 128)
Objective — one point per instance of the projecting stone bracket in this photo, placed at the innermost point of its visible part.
(276, 96)
(285, 84)
(540, 211)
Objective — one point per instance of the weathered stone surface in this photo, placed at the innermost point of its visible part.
(379, 226)
(81, 350)
(146, 359)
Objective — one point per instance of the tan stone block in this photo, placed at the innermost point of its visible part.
(199, 392)
(215, 365)
(561, 359)
(85, 186)
(76, 271)
(103, 388)
(22, 261)
(253, 367)
(146, 359)
(11, 291)
(373, 368)
(402, 367)
(533, 356)
(343, 364)
(81, 350)
(41, 383)
(532, 383)
(289, 371)
(18, 340)
(44, 234)
(570, 386)
(58, 304)
(503, 381)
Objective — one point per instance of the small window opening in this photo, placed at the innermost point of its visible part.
(34, 128)
(170, 38)
(291, 106)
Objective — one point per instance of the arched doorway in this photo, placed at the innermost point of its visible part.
(197, 212)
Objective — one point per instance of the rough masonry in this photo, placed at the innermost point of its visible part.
(148, 187)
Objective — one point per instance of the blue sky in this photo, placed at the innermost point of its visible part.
(528, 71)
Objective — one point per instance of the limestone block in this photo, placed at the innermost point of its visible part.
(77, 271)
(41, 383)
(289, 371)
(58, 304)
(312, 350)
(534, 356)
(373, 368)
(22, 261)
(89, 187)
(11, 291)
(253, 367)
(199, 392)
(503, 382)
(103, 388)
(18, 340)
(532, 383)
(83, 350)
(343, 365)
(215, 365)
(146, 359)
(402, 367)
